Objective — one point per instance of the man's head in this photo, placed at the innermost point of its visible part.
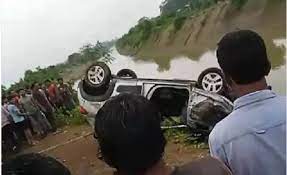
(34, 164)
(11, 99)
(43, 86)
(243, 58)
(22, 92)
(60, 80)
(47, 82)
(129, 133)
(4, 99)
(35, 86)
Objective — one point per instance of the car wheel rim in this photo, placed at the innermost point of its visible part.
(212, 82)
(96, 75)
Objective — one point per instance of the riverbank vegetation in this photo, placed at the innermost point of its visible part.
(69, 118)
(87, 53)
(173, 13)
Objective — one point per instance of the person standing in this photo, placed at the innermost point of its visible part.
(5, 102)
(45, 106)
(8, 135)
(54, 95)
(22, 124)
(16, 98)
(39, 122)
(252, 139)
(66, 95)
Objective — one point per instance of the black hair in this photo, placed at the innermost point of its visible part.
(21, 89)
(34, 164)
(242, 56)
(33, 85)
(129, 133)
(3, 98)
(10, 97)
(60, 79)
(27, 87)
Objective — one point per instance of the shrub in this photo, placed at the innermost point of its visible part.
(73, 117)
(178, 23)
(238, 3)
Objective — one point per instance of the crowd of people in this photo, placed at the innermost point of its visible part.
(29, 114)
(249, 141)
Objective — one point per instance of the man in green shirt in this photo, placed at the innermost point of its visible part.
(39, 122)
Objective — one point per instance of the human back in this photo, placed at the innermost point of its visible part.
(252, 139)
(253, 136)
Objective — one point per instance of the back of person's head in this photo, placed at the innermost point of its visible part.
(242, 56)
(34, 164)
(129, 133)
(48, 81)
(10, 99)
(4, 99)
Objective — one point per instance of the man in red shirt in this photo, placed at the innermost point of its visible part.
(54, 95)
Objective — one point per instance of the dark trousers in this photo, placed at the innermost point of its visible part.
(9, 139)
(50, 117)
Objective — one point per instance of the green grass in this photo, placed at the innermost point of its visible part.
(239, 3)
(70, 118)
(140, 33)
(181, 135)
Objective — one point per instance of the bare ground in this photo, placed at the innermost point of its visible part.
(77, 149)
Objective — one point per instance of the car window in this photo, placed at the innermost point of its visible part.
(130, 89)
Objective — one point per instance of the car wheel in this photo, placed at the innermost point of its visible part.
(98, 76)
(212, 80)
(126, 73)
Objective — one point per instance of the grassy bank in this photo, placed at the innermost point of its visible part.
(86, 54)
(69, 118)
(173, 13)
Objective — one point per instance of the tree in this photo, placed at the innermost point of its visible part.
(3, 89)
(171, 6)
(74, 58)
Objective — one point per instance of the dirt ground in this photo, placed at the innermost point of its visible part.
(76, 148)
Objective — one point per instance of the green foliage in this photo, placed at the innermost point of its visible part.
(88, 52)
(138, 34)
(174, 6)
(178, 23)
(172, 12)
(182, 136)
(170, 6)
(146, 28)
(73, 117)
(238, 3)
(74, 58)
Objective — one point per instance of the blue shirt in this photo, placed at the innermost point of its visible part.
(252, 139)
(14, 111)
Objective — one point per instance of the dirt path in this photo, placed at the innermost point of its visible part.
(79, 154)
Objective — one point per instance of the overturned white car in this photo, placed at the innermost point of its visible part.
(198, 104)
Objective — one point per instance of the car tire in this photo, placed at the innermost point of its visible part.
(127, 73)
(97, 77)
(212, 80)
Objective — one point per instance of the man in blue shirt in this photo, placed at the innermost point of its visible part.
(252, 139)
(20, 121)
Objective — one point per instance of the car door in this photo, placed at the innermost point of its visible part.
(205, 109)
